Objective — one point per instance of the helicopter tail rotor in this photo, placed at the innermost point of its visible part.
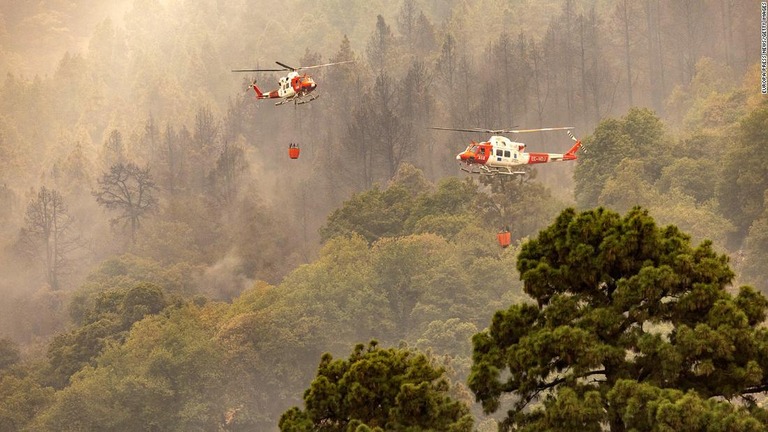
(249, 87)
(571, 154)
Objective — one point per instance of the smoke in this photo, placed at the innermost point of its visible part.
(35, 35)
(224, 279)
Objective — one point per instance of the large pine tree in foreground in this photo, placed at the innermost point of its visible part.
(375, 389)
(632, 329)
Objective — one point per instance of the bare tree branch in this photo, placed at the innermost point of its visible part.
(129, 190)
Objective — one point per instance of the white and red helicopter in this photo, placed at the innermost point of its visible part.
(293, 87)
(500, 155)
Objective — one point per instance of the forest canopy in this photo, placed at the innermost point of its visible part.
(164, 264)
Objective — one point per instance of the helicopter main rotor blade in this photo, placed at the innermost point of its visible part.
(479, 130)
(257, 70)
(286, 66)
(538, 130)
(291, 68)
(501, 131)
(324, 65)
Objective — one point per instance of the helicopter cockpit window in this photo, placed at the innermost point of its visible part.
(499, 152)
(507, 153)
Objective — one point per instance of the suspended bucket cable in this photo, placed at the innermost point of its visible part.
(293, 148)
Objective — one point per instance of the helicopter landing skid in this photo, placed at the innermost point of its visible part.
(303, 101)
(298, 100)
(491, 172)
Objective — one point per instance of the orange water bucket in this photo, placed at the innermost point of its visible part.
(293, 152)
(505, 238)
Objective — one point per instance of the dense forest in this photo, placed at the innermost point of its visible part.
(164, 265)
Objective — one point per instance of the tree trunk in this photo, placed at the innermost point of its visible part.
(567, 58)
(583, 68)
(627, 53)
(651, 56)
(660, 52)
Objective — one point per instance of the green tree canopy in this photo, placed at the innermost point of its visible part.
(745, 172)
(125, 272)
(378, 389)
(645, 407)
(639, 135)
(407, 206)
(21, 398)
(170, 374)
(9, 354)
(684, 175)
(108, 320)
(753, 268)
(411, 206)
(372, 214)
(618, 298)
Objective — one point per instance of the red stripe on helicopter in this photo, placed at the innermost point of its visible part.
(296, 84)
(534, 158)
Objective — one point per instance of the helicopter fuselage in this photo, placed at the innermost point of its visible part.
(499, 155)
(293, 85)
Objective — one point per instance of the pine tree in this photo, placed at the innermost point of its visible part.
(617, 299)
(393, 389)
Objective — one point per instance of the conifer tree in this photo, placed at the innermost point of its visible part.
(375, 390)
(625, 312)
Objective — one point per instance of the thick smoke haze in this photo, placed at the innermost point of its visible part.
(171, 180)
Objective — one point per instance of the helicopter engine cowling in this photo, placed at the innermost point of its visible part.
(307, 84)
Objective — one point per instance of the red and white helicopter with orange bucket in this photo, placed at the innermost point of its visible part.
(293, 87)
(500, 155)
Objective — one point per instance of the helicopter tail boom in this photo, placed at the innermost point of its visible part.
(571, 154)
(259, 94)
